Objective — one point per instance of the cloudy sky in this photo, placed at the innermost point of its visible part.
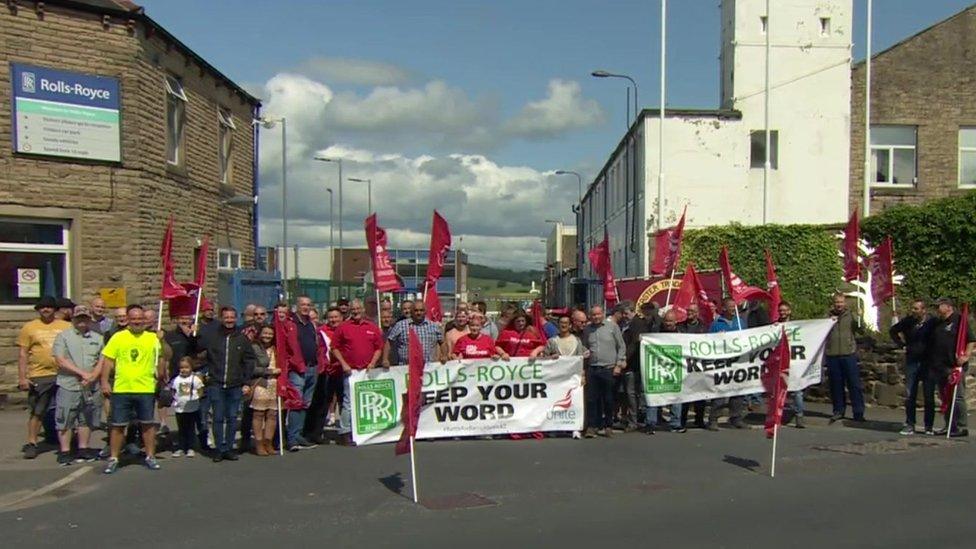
(464, 106)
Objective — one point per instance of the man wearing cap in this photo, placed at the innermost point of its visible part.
(77, 351)
(36, 368)
(943, 363)
(65, 308)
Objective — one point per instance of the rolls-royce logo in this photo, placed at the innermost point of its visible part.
(27, 80)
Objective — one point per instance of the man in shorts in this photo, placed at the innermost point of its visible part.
(77, 351)
(36, 368)
(135, 356)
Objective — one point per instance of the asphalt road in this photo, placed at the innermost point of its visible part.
(835, 486)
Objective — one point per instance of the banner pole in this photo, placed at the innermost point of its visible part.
(413, 472)
(281, 440)
(772, 471)
(952, 410)
(196, 313)
(667, 301)
(737, 319)
(159, 317)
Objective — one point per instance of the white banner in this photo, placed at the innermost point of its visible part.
(691, 367)
(471, 398)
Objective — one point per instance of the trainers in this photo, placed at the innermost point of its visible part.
(907, 430)
(64, 459)
(30, 450)
(178, 453)
(712, 426)
(607, 432)
(576, 435)
(304, 444)
(190, 453)
(942, 432)
(929, 431)
(836, 417)
(679, 430)
(105, 452)
(112, 466)
(960, 433)
(231, 455)
(588, 433)
(152, 464)
(799, 422)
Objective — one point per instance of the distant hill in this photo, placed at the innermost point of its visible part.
(520, 278)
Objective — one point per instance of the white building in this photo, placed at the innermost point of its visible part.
(714, 159)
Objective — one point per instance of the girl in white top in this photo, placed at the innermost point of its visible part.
(187, 391)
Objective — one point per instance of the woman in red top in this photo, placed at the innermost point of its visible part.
(474, 344)
(520, 338)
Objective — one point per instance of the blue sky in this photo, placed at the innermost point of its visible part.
(489, 61)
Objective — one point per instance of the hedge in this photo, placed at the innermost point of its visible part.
(807, 264)
(935, 246)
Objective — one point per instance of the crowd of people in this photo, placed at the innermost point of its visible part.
(86, 370)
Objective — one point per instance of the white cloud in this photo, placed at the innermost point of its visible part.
(344, 70)
(562, 110)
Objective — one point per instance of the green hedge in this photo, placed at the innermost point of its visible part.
(807, 264)
(935, 246)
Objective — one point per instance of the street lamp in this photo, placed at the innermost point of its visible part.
(579, 180)
(331, 241)
(579, 218)
(269, 122)
(605, 74)
(341, 250)
(369, 191)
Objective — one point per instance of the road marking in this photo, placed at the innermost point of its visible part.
(50, 487)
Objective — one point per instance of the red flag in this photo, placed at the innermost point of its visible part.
(775, 378)
(667, 247)
(772, 285)
(961, 344)
(738, 289)
(852, 232)
(440, 243)
(881, 266)
(384, 276)
(691, 291)
(170, 287)
(538, 318)
(291, 399)
(415, 378)
(201, 279)
(600, 260)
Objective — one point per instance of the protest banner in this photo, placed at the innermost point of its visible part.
(470, 398)
(689, 367)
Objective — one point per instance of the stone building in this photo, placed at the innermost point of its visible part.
(923, 116)
(109, 125)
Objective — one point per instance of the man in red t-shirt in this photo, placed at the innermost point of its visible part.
(357, 345)
(474, 344)
(328, 385)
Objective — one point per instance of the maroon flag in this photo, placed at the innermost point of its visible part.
(538, 318)
(852, 232)
(291, 399)
(691, 292)
(738, 289)
(772, 286)
(415, 378)
(775, 377)
(384, 276)
(170, 287)
(440, 243)
(961, 343)
(881, 266)
(600, 260)
(667, 247)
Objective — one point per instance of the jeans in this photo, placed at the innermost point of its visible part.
(345, 410)
(699, 407)
(186, 425)
(626, 388)
(796, 402)
(843, 371)
(674, 422)
(736, 405)
(916, 373)
(959, 420)
(226, 404)
(599, 397)
(296, 418)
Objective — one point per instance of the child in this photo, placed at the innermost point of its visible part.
(187, 391)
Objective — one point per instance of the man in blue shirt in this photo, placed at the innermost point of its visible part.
(430, 334)
(729, 321)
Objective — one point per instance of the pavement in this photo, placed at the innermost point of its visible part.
(840, 485)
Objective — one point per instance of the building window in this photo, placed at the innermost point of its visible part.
(824, 26)
(226, 143)
(228, 260)
(34, 260)
(967, 157)
(893, 155)
(763, 24)
(175, 121)
(757, 154)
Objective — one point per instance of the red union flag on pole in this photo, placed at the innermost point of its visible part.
(692, 292)
(440, 243)
(738, 289)
(415, 378)
(383, 274)
(775, 376)
(772, 286)
(881, 266)
(948, 393)
(852, 232)
(667, 247)
(600, 260)
(170, 287)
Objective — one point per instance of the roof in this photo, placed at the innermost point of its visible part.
(916, 35)
(130, 10)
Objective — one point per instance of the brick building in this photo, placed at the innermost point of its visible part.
(923, 116)
(87, 185)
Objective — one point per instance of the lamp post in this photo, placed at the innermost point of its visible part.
(579, 219)
(606, 74)
(369, 191)
(341, 250)
(268, 123)
(331, 240)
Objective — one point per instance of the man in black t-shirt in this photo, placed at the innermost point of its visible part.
(941, 361)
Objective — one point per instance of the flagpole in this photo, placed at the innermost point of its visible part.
(413, 472)
(196, 314)
(952, 408)
(159, 317)
(281, 440)
(667, 301)
(772, 471)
